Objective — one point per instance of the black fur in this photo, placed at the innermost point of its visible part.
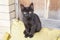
(31, 20)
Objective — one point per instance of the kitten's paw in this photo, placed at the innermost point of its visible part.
(25, 36)
(31, 35)
(24, 32)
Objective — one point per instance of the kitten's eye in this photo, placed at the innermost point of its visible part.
(29, 12)
(24, 12)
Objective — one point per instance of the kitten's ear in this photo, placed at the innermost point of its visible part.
(22, 6)
(32, 6)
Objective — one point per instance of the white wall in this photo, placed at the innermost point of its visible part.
(6, 8)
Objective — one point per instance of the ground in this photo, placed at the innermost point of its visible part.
(17, 29)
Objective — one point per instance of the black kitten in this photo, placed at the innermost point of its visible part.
(31, 20)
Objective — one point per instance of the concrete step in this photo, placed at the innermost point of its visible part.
(50, 23)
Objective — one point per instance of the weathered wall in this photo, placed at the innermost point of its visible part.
(54, 8)
(39, 6)
(54, 4)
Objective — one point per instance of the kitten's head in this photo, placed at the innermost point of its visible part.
(27, 11)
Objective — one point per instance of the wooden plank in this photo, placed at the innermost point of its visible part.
(4, 22)
(4, 29)
(1, 36)
(4, 8)
(5, 16)
(5, 2)
(12, 15)
(11, 1)
(11, 8)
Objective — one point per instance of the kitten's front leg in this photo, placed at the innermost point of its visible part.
(26, 31)
(32, 31)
